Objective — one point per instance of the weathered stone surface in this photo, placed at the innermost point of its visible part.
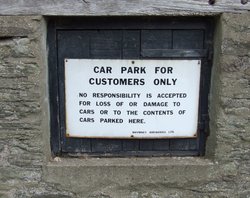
(21, 84)
(27, 171)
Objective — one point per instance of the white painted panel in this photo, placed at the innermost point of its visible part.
(131, 98)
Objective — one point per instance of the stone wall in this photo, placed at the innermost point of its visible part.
(27, 170)
(24, 140)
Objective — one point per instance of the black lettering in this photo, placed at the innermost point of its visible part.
(170, 70)
(105, 104)
(111, 120)
(163, 70)
(167, 112)
(102, 69)
(86, 111)
(136, 121)
(155, 104)
(91, 81)
(84, 103)
(86, 120)
(165, 81)
(133, 70)
(116, 81)
(96, 69)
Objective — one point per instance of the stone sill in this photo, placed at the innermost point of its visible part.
(132, 161)
(77, 174)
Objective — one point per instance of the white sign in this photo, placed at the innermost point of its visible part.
(107, 98)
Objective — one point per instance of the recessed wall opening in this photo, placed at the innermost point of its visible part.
(165, 66)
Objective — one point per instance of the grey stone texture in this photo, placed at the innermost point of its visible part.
(26, 166)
